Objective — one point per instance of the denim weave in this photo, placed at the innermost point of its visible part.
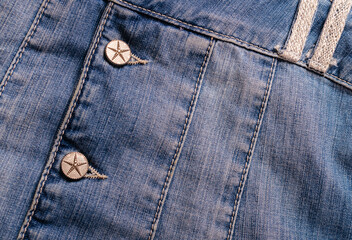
(215, 137)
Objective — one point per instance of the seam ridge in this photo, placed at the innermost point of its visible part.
(23, 45)
(251, 150)
(181, 141)
(64, 124)
(227, 38)
(130, 5)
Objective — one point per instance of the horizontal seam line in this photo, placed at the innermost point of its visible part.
(191, 25)
(255, 47)
(331, 75)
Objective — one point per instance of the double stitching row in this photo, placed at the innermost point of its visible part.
(67, 119)
(181, 141)
(23, 46)
(123, 3)
(227, 38)
(251, 149)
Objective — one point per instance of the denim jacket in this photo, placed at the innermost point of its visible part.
(209, 120)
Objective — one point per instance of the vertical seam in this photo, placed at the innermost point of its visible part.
(65, 122)
(23, 46)
(181, 141)
(251, 149)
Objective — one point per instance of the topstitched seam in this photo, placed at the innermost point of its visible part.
(339, 79)
(181, 141)
(82, 81)
(238, 42)
(251, 150)
(191, 25)
(23, 46)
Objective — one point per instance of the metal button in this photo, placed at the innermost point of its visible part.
(74, 165)
(118, 52)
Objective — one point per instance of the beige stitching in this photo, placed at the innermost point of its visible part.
(251, 149)
(181, 140)
(77, 93)
(94, 174)
(136, 60)
(330, 36)
(333, 76)
(24, 45)
(239, 41)
(300, 30)
(190, 25)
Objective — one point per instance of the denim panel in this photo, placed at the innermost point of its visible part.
(260, 26)
(201, 198)
(299, 186)
(128, 121)
(265, 23)
(133, 122)
(34, 100)
(16, 17)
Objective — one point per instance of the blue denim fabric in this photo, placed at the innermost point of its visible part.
(216, 137)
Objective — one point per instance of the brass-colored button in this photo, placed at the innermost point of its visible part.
(118, 52)
(74, 165)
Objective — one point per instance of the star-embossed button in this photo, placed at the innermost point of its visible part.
(74, 165)
(118, 52)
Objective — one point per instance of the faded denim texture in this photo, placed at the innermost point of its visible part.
(216, 137)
